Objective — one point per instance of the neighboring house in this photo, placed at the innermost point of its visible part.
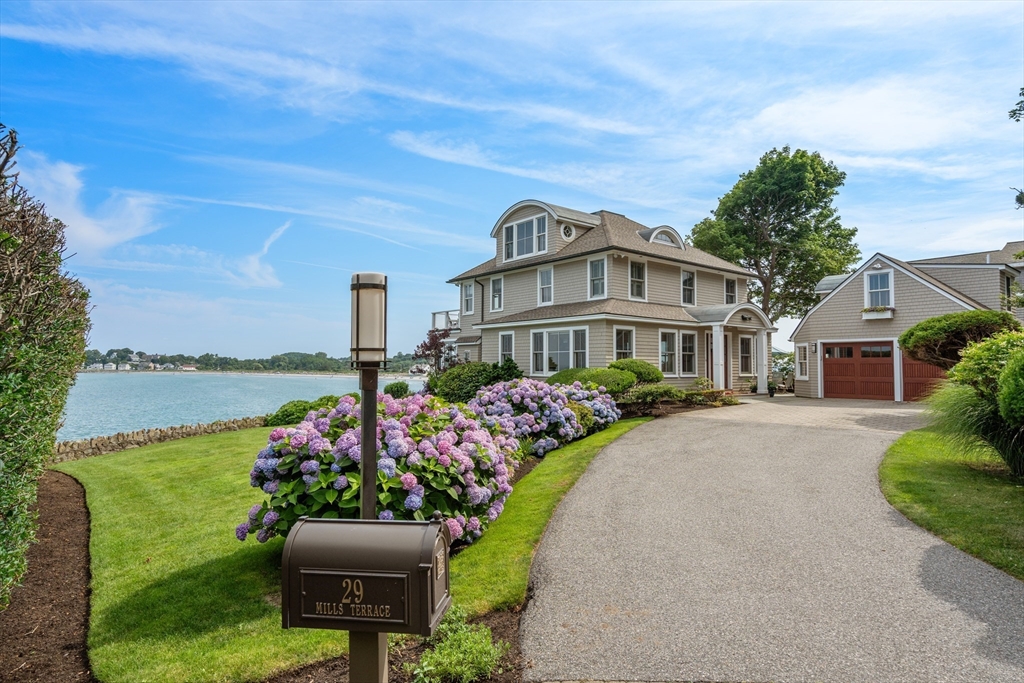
(124, 366)
(188, 368)
(109, 366)
(846, 346)
(572, 289)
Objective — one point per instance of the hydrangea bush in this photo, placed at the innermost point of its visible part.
(431, 457)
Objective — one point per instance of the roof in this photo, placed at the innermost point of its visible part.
(829, 282)
(1004, 255)
(470, 339)
(614, 232)
(560, 213)
(936, 283)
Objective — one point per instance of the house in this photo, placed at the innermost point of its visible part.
(569, 289)
(123, 366)
(847, 344)
(110, 366)
(188, 368)
(95, 366)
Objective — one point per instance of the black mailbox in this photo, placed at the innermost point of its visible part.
(365, 575)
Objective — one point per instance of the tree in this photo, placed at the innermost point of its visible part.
(778, 221)
(1016, 114)
(441, 356)
(938, 341)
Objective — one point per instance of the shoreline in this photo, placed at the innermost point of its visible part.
(390, 376)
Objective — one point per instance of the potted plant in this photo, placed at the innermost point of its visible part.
(753, 386)
(772, 386)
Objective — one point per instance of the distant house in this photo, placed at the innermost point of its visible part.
(188, 368)
(96, 366)
(109, 366)
(133, 357)
(123, 366)
(146, 366)
(166, 366)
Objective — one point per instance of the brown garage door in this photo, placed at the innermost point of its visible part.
(919, 379)
(858, 370)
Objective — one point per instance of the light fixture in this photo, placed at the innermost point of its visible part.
(814, 347)
(369, 320)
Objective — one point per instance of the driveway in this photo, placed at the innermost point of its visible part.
(752, 544)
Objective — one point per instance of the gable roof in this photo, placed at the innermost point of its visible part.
(1004, 255)
(612, 231)
(915, 273)
(828, 283)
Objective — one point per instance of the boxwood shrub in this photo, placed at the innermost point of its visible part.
(397, 389)
(460, 383)
(293, 412)
(939, 340)
(644, 371)
(616, 382)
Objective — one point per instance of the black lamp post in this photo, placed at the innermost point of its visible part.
(368, 652)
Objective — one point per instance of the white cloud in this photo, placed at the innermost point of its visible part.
(253, 271)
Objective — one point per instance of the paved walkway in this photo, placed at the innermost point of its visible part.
(752, 544)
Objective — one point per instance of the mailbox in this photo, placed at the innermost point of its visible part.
(365, 575)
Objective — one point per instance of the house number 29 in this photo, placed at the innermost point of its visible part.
(352, 587)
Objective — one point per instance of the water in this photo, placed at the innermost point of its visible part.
(104, 403)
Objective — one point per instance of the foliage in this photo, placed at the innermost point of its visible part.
(967, 499)
(779, 221)
(439, 355)
(292, 361)
(293, 412)
(938, 341)
(430, 456)
(461, 652)
(982, 362)
(1011, 390)
(584, 416)
(615, 382)
(783, 363)
(43, 324)
(506, 371)
(648, 395)
(530, 409)
(1018, 111)
(397, 389)
(645, 372)
(703, 383)
(971, 422)
(460, 383)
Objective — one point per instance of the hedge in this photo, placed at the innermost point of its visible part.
(938, 341)
(460, 383)
(645, 372)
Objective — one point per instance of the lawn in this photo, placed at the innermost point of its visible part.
(971, 502)
(176, 597)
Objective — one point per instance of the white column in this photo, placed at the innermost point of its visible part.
(718, 354)
(762, 362)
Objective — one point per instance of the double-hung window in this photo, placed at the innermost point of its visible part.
(596, 276)
(879, 290)
(467, 297)
(746, 355)
(497, 287)
(537, 351)
(623, 343)
(689, 288)
(505, 344)
(730, 291)
(526, 238)
(545, 286)
(558, 353)
(579, 348)
(556, 350)
(637, 280)
(801, 361)
(687, 353)
(668, 353)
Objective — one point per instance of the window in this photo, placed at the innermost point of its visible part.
(497, 285)
(876, 352)
(687, 354)
(579, 348)
(801, 361)
(526, 237)
(545, 293)
(467, 298)
(637, 280)
(668, 353)
(538, 352)
(879, 292)
(597, 279)
(556, 350)
(558, 355)
(623, 343)
(838, 352)
(746, 355)
(689, 288)
(730, 291)
(506, 342)
(1008, 292)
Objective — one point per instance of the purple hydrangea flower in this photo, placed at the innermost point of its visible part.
(297, 440)
(242, 531)
(310, 467)
(340, 483)
(277, 434)
(473, 524)
(271, 486)
(386, 515)
(387, 466)
(263, 535)
(310, 479)
(270, 518)
(408, 481)
(417, 491)
(322, 424)
(254, 511)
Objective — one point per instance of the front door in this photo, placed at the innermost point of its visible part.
(709, 359)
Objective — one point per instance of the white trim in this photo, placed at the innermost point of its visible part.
(675, 351)
(632, 350)
(593, 221)
(561, 232)
(626, 318)
(516, 256)
(629, 279)
(677, 241)
(739, 356)
(552, 285)
(472, 297)
(891, 288)
(897, 359)
(796, 364)
(852, 276)
(605, 278)
(500, 278)
(696, 353)
(544, 347)
(682, 301)
(735, 290)
(511, 333)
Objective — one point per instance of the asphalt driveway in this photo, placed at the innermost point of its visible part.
(752, 544)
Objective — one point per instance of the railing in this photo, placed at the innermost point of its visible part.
(445, 320)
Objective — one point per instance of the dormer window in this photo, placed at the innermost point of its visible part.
(664, 238)
(526, 238)
(664, 235)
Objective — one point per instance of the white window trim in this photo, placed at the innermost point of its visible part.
(672, 236)
(696, 353)
(500, 279)
(694, 274)
(510, 333)
(539, 271)
(629, 279)
(535, 252)
(472, 298)
(725, 290)
(606, 283)
(615, 329)
(674, 351)
(544, 350)
(753, 355)
(867, 284)
(796, 362)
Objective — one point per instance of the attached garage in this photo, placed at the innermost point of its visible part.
(858, 370)
(919, 379)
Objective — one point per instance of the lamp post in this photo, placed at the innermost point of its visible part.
(368, 652)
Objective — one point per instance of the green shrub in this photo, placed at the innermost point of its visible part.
(1011, 390)
(397, 389)
(982, 362)
(567, 376)
(939, 340)
(703, 383)
(973, 423)
(650, 394)
(327, 401)
(460, 383)
(290, 414)
(584, 416)
(43, 323)
(616, 382)
(644, 371)
(506, 371)
(463, 652)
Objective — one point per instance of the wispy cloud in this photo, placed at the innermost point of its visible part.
(254, 271)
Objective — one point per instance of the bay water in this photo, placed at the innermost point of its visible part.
(104, 403)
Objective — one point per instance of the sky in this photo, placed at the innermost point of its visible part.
(223, 168)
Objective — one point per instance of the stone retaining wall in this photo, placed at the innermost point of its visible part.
(74, 450)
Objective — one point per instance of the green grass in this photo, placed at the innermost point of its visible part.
(971, 502)
(175, 597)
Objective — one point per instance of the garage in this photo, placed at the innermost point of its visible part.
(858, 370)
(919, 379)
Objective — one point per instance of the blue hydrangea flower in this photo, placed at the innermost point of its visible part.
(271, 486)
(386, 515)
(335, 468)
(340, 483)
(270, 518)
(413, 502)
(387, 466)
(310, 467)
(310, 479)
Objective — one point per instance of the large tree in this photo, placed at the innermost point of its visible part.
(778, 221)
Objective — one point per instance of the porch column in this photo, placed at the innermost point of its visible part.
(718, 355)
(762, 362)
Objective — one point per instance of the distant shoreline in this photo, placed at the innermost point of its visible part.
(257, 373)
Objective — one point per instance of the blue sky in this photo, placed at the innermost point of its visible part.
(224, 168)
